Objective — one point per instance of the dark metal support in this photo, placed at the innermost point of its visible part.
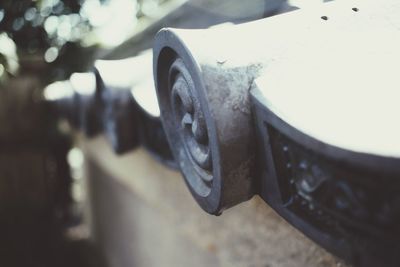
(103, 101)
(234, 134)
(207, 120)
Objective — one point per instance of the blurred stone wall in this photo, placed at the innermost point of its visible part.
(143, 215)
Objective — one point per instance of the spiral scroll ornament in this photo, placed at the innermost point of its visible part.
(190, 120)
(206, 115)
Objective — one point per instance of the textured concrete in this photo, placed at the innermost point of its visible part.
(143, 215)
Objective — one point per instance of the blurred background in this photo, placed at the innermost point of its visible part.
(69, 201)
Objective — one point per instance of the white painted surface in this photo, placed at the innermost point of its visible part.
(136, 73)
(338, 80)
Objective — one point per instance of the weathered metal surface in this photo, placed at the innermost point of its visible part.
(134, 78)
(118, 113)
(241, 118)
(205, 112)
(263, 86)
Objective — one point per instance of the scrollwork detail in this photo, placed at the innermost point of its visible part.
(190, 119)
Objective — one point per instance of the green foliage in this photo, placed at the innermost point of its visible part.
(47, 34)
